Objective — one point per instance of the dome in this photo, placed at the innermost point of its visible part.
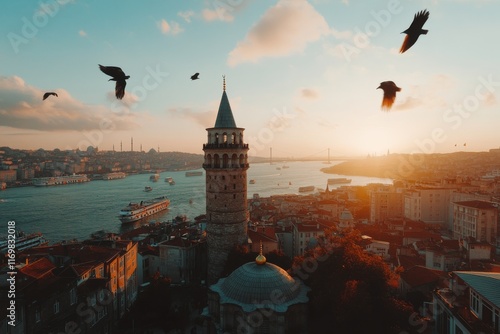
(254, 282)
(346, 215)
(255, 285)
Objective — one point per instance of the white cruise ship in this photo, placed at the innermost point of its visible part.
(60, 180)
(114, 175)
(136, 211)
(23, 241)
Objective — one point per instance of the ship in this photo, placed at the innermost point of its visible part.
(148, 188)
(252, 181)
(170, 181)
(339, 180)
(60, 180)
(22, 241)
(154, 177)
(136, 211)
(197, 173)
(306, 189)
(114, 175)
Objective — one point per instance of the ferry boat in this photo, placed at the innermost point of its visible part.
(136, 211)
(148, 188)
(306, 189)
(23, 241)
(196, 173)
(170, 181)
(114, 175)
(154, 177)
(60, 180)
(339, 180)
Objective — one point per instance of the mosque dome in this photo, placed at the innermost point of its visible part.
(258, 284)
(254, 282)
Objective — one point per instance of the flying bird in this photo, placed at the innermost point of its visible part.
(390, 89)
(46, 95)
(195, 76)
(415, 30)
(117, 75)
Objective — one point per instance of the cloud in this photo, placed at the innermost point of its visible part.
(284, 29)
(172, 28)
(186, 15)
(22, 107)
(205, 119)
(219, 14)
(309, 93)
(82, 33)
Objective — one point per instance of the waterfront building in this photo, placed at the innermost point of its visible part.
(226, 165)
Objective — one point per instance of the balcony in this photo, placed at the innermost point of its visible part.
(225, 145)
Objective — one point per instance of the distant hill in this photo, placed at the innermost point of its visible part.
(421, 166)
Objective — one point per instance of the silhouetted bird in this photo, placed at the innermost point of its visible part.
(46, 95)
(117, 75)
(195, 76)
(390, 89)
(415, 30)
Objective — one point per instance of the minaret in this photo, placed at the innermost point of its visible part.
(226, 164)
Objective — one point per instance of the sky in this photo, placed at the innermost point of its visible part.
(301, 76)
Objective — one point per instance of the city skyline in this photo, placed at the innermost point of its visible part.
(301, 75)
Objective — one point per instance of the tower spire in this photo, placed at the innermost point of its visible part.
(224, 83)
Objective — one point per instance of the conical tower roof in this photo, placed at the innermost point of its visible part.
(225, 117)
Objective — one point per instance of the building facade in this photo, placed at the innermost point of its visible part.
(226, 164)
(477, 219)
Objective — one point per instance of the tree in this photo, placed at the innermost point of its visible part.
(351, 291)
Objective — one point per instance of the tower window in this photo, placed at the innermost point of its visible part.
(225, 187)
(234, 177)
(234, 185)
(234, 196)
(215, 196)
(223, 177)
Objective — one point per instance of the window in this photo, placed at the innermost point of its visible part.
(56, 307)
(72, 296)
(38, 317)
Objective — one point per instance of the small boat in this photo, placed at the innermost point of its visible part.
(285, 166)
(170, 181)
(252, 181)
(278, 168)
(148, 188)
(154, 177)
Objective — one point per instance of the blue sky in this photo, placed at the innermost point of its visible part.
(301, 75)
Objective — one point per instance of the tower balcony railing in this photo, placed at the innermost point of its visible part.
(245, 165)
(225, 145)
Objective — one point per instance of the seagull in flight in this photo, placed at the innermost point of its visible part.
(195, 76)
(415, 30)
(117, 75)
(46, 95)
(390, 89)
